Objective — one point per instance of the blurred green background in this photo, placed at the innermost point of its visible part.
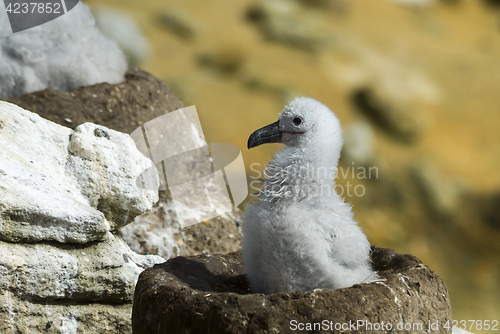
(416, 85)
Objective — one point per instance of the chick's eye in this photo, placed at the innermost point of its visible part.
(297, 121)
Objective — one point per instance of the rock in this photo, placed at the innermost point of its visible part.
(336, 5)
(179, 22)
(225, 57)
(68, 289)
(122, 107)
(103, 272)
(359, 142)
(186, 161)
(121, 27)
(401, 122)
(111, 187)
(65, 53)
(285, 21)
(63, 195)
(159, 232)
(488, 206)
(492, 2)
(22, 316)
(91, 180)
(441, 196)
(210, 293)
(269, 83)
(415, 3)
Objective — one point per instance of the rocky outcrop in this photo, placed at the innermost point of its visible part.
(64, 185)
(209, 294)
(159, 232)
(125, 107)
(179, 23)
(441, 196)
(63, 196)
(401, 122)
(287, 22)
(122, 107)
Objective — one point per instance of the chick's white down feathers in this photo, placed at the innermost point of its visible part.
(64, 54)
(301, 235)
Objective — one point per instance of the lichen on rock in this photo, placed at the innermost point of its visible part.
(63, 195)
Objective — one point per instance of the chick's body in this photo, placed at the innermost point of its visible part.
(301, 235)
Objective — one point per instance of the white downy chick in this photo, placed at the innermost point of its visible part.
(300, 235)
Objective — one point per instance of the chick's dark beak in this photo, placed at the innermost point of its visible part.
(266, 135)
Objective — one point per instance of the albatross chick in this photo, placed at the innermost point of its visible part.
(300, 235)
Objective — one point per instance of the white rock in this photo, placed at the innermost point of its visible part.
(71, 187)
(22, 316)
(156, 232)
(104, 272)
(107, 165)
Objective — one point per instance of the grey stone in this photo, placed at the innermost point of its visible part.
(23, 316)
(85, 285)
(122, 107)
(399, 120)
(125, 107)
(441, 195)
(285, 21)
(107, 165)
(359, 142)
(64, 185)
(63, 193)
(224, 58)
(102, 272)
(159, 232)
(210, 293)
(416, 3)
(489, 208)
(179, 22)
